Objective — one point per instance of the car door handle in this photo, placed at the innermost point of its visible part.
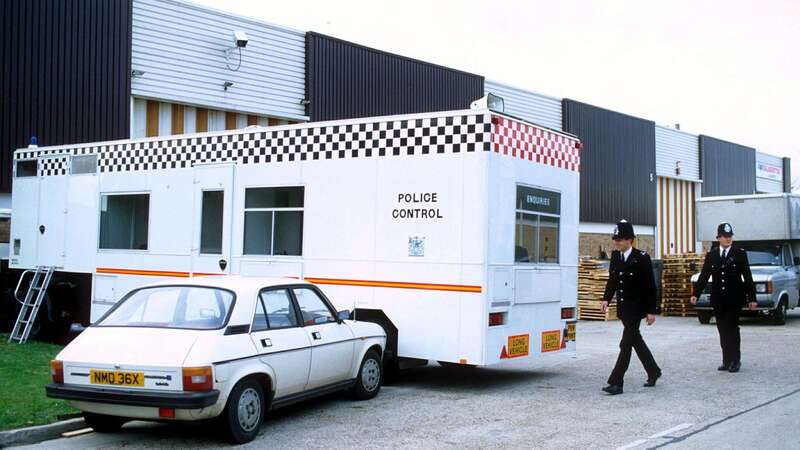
(266, 342)
(316, 335)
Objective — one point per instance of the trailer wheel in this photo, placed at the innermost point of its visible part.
(704, 317)
(778, 315)
(456, 366)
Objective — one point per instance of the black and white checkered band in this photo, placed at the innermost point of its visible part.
(402, 137)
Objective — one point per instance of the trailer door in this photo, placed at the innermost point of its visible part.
(52, 217)
(213, 204)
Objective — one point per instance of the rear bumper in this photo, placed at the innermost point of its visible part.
(159, 399)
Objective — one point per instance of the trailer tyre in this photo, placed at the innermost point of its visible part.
(102, 423)
(704, 317)
(778, 315)
(370, 377)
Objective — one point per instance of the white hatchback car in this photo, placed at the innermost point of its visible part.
(228, 348)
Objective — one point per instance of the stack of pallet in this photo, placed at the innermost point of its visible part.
(592, 276)
(676, 283)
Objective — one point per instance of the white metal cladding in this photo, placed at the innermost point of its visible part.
(768, 180)
(537, 108)
(676, 148)
(676, 216)
(181, 49)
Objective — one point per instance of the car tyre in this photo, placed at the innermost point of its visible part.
(778, 315)
(704, 317)
(370, 377)
(102, 423)
(244, 413)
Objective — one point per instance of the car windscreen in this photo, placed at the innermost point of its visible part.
(764, 255)
(186, 307)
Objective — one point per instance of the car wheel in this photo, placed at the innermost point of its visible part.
(704, 317)
(778, 315)
(244, 412)
(370, 377)
(102, 423)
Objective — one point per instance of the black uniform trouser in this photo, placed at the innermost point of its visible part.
(632, 339)
(729, 339)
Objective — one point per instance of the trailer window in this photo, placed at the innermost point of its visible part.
(83, 164)
(124, 221)
(537, 226)
(211, 222)
(27, 168)
(273, 221)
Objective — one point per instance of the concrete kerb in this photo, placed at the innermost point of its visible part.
(32, 435)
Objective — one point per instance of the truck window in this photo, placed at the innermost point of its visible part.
(124, 221)
(764, 254)
(273, 221)
(537, 226)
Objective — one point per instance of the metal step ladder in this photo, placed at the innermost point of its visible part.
(34, 297)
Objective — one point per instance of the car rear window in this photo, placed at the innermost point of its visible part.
(189, 307)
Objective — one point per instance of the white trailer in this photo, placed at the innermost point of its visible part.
(457, 229)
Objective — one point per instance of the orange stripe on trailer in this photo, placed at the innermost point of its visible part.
(152, 273)
(397, 285)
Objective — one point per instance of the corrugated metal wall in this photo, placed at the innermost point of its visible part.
(181, 48)
(64, 73)
(726, 168)
(346, 80)
(677, 149)
(676, 216)
(769, 173)
(618, 164)
(537, 108)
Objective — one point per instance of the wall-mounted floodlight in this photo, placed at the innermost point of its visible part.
(489, 101)
(136, 73)
(240, 41)
(227, 84)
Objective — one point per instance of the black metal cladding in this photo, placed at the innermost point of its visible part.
(64, 73)
(787, 175)
(346, 80)
(726, 168)
(618, 164)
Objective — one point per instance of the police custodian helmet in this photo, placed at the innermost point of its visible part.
(724, 229)
(623, 230)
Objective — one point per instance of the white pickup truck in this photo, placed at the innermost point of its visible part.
(767, 226)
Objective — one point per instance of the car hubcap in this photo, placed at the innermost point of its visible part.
(249, 409)
(371, 375)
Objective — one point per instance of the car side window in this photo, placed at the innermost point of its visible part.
(280, 312)
(260, 318)
(312, 307)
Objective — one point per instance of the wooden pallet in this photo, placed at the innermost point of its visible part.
(590, 310)
(592, 278)
(676, 285)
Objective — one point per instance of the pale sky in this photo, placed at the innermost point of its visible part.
(725, 68)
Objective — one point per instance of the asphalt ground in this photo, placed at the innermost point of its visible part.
(551, 403)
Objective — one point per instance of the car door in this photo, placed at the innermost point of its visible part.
(332, 340)
(282, 343)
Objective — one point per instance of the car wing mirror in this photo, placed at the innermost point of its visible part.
(344, 314)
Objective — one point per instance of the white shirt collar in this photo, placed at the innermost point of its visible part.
(627, 253)
(722, 249)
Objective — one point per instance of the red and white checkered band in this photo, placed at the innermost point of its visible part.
(520, 140)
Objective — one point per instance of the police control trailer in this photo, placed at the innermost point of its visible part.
(456, 231)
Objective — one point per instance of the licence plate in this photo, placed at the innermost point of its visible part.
(570, 332)
(518, 345)
(116, 378)
(551, 341)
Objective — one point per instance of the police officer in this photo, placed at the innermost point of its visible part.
(731, 286)
(631, 279)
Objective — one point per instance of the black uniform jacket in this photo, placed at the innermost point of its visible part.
(633, 283)
(732, 283)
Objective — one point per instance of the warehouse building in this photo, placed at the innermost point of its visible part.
(138, 68)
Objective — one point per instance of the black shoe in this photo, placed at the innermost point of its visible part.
(613, 389)
(724, 367)
(735, 367)
(651, 381)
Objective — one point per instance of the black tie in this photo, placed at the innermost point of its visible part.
(724, 253)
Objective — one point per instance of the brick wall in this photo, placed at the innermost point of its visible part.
(592, 244)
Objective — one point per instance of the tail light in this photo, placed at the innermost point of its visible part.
(166, 413)
(197, 378)
(57, 371)
(496, 319)
(567, 313)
